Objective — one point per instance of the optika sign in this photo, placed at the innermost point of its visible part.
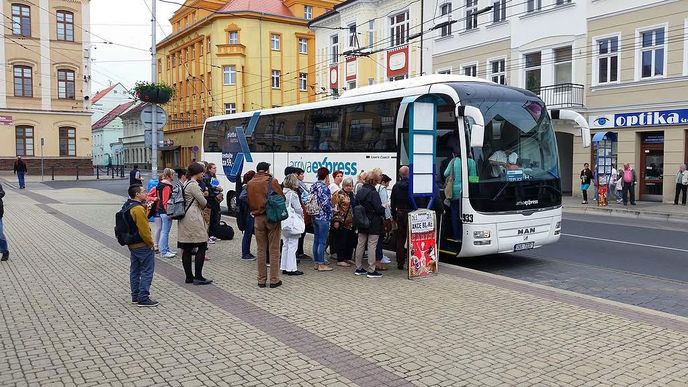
(638, 119)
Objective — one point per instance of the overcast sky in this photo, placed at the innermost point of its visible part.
(124, 22)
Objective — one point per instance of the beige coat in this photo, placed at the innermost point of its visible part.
(192, 228)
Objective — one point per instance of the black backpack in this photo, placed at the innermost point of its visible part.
(243, 210)
(126, 231)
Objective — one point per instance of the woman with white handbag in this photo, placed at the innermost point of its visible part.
(292, 227)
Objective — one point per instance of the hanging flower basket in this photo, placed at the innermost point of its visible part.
(158, 93)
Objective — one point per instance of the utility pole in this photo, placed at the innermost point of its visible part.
(154, 79)
(422, 25)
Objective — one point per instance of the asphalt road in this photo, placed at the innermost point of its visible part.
(637, 262)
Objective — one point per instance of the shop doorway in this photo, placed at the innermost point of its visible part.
(565, 148)
(651, 175)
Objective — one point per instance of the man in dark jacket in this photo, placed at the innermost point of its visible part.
(401, 206)
(3, 241)
(20, 171)
(135, 176)
(368, 197)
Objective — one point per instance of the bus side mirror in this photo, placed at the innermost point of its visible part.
(478, 127)
(570, 115)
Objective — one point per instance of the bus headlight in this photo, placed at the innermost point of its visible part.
(557, 226)
(482, 234)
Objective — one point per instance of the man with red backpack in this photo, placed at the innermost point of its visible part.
(629, 180)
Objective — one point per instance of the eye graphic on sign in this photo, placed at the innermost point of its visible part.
(601, 121)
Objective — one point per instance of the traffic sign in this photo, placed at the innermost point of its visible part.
(147, 117)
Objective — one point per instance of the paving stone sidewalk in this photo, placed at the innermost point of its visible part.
(642, 210)
(66, 320)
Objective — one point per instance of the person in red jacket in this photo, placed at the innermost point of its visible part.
(163, 191)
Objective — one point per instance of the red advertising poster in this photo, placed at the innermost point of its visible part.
(351, 68)
(334, 77)
(397, 61)
(422, 245)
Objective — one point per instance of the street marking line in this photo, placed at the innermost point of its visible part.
(627, 243)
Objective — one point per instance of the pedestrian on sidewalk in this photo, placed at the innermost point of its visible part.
(164, 190)
(368, 197)
(681, 184)
(619, 189)
(192, 229)
(304, 195)
(20, 170)
(135, 176)
(382, 189)
(153, 215)
(343, 223)
(612, 183)
(401, 206)
(267, 234)
(629, 178)
(321, 221)
(245, 220)
(288, 263)
(4, 249)
(215, 197)
(586, 178)
(141, 252)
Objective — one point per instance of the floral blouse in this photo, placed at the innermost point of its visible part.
(322, 193)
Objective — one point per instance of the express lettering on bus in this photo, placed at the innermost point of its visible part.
(349, 168)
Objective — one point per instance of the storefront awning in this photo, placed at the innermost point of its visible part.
(601, 136)
(169, 148)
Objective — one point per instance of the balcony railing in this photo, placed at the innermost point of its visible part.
(231, 49)
(562, 95)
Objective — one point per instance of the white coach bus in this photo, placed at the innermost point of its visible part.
(509, 206)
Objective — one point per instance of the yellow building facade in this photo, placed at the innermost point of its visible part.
(44, 85)
(227, 57)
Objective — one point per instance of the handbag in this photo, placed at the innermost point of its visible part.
(224, 231)
(312, 205)
(294, 225)
(388, 225)
(449, 184)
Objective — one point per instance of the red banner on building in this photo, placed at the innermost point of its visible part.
(334, 77)
(422, 244)
(397, 61)
(351, 68)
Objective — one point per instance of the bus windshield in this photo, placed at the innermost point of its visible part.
(517, 167)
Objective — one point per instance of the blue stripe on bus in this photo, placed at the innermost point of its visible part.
(241, 136)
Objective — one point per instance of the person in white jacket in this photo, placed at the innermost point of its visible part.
(289, 237)
(619, 190)
(681, 184)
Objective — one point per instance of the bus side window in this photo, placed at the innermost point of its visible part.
(290, 136)
(325, 124)
(370, 126)
(263, 135)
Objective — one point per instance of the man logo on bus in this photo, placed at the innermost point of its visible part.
(526, 231)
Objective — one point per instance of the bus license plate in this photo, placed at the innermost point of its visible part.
(524, 246)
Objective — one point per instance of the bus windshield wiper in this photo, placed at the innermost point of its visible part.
(501, 191)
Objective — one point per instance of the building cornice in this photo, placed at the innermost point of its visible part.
(38, 111)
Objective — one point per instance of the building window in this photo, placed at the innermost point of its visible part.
(303, 81)
(65, 84)
(398, 78)
(21, 20)
(275, 42)
(303, 46)
(208, 46)
(562, 65)
(23, 83)
(230, 108)
(67, 142)
(533, 71)
(371, 33)
(334, 49)
(353, 38)
(562, 2)
(446, 10)
(24, 140)
(351, 85)
(229, 73)
(471, 14)
(498, 71)
(276, 74)
(533, 5)
(307, 12)
(233, 37)
(65, 26)
(445, 71)
(608, 60)
(498, 11)
(470, 70)
(652, 53)
(399, 28)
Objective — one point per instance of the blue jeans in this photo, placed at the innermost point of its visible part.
(3, 240)
(141, 272)
(248, 234)
(378, 249)
(20, 176)
(457, 226)
(163, 242)
(320, 230)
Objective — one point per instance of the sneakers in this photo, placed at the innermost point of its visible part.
(134, 301)
(385, 259)
(211, 241)
(169, 254)
(248, 257)
(374, 274)
(5, 256)
(584, 202)
(148, 303)
(360, 272)
(212, 238)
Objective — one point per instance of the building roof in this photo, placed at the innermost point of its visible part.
(102, 93)
(134, 111)
(270, 7)
(111, 115)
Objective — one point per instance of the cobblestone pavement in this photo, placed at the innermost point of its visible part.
(66, 320)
